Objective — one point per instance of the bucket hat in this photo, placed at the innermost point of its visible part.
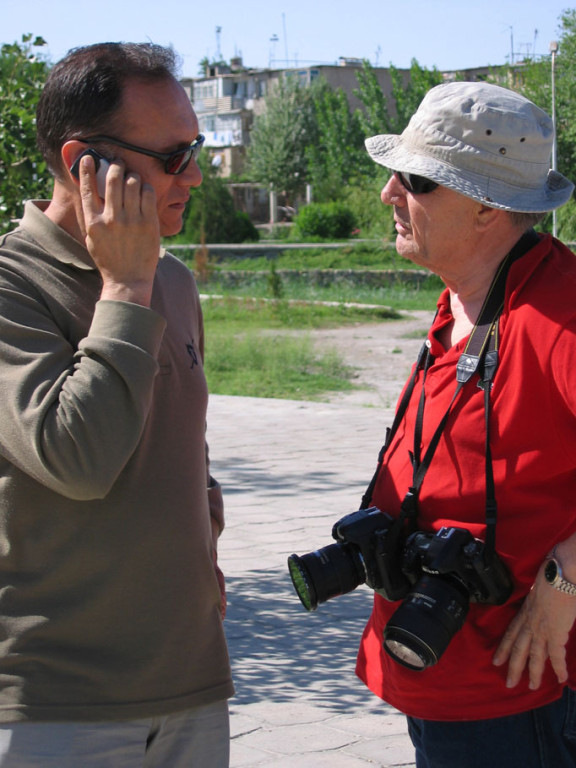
(482, 140)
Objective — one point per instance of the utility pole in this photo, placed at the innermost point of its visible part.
(553, 52)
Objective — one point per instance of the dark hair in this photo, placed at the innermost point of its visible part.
(84, 90)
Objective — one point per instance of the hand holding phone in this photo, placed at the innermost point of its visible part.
(123, 235)
(101, 165)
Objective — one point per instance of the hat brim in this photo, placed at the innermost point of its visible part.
(392, 152)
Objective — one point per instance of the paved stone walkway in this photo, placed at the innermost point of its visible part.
(289, 470)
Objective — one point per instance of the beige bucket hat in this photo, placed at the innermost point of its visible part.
(484, 141)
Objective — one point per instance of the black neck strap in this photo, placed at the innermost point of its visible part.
(480, 356)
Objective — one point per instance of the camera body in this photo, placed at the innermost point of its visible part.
(366, 545)
(436, 575)
(455, 553)
(376, 535)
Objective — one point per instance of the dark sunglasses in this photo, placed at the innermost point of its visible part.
(418, 185)
(174, 162)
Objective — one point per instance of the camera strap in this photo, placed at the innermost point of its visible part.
(479, 356)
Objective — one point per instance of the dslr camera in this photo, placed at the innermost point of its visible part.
(436, 575)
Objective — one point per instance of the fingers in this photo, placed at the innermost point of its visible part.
(138, 198)
(122, 232)
(515, 649)
(531, 639)
(91, 201)
(558, 661)
(121, 188)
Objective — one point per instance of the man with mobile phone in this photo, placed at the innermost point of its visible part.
(111, 600)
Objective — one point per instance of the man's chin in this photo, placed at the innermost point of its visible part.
(169, 229)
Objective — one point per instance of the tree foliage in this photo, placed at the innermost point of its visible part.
(533, 78)
(338, 156)
(381, 115)
(565, 82)
(23, 172)
(210, 216)
(279, 137)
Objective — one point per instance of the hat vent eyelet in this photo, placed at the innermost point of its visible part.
(502, 150)
(522, 139)
(489, 132)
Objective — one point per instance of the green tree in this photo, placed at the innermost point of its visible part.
(408, 89)
(211, 216)
(384, 115)
(374, 117)
(279, 137)
(23, 172)
(338, 155)
(533, 78)
(206, 63)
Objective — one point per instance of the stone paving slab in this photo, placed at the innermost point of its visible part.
(289, 470)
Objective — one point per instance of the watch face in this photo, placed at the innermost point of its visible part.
(551, 571)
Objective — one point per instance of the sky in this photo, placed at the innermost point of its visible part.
(447, 34)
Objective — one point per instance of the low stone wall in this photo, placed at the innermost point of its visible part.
(324, 277)
(221, 252)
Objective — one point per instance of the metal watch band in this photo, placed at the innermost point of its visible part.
(566, 586)
(559, 582)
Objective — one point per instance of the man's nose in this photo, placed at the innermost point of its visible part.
(192, 176)
(393, 193)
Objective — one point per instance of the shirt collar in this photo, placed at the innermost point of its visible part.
(53, 238)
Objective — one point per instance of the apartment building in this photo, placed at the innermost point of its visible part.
(227, 98)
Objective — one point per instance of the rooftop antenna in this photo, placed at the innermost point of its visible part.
(285, 39)
(377, 56)
(535, 39)
(218, 51)
(511, 45)
(272, 57)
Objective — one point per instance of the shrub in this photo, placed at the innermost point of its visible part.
(325, 220)
(244, 230)
(211, 216)
(373, 218)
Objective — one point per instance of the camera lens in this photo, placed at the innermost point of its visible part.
(423, 626)
(328, 572)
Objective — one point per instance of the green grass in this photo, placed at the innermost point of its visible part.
(239, 314)
(397, 295)
(248, 354)
(254, 365)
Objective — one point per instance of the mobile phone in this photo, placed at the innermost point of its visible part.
(102, 166)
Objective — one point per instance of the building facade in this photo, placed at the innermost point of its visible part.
(228, 98)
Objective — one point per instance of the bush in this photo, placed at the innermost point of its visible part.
(244, 230)
(325, 220)
(211, 216)
(373, 218)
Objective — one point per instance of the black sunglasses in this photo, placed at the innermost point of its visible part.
(174, 162)
(418, 185)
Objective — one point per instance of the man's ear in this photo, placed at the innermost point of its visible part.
(69, 153)
(487, 217)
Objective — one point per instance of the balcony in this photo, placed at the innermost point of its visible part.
(221, 104)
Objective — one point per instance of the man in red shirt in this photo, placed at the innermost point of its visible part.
(471, 177)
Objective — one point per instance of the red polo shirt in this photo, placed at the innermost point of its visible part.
(533, 426)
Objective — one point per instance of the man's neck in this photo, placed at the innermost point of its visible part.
(469, 290)
(62, 210)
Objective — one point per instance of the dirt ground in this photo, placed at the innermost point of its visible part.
(381, 354)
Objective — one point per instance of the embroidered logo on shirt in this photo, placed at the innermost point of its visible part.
(193, 354)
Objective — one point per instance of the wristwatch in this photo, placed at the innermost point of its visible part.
(554, 576)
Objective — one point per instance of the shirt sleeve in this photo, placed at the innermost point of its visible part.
(72, 415)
